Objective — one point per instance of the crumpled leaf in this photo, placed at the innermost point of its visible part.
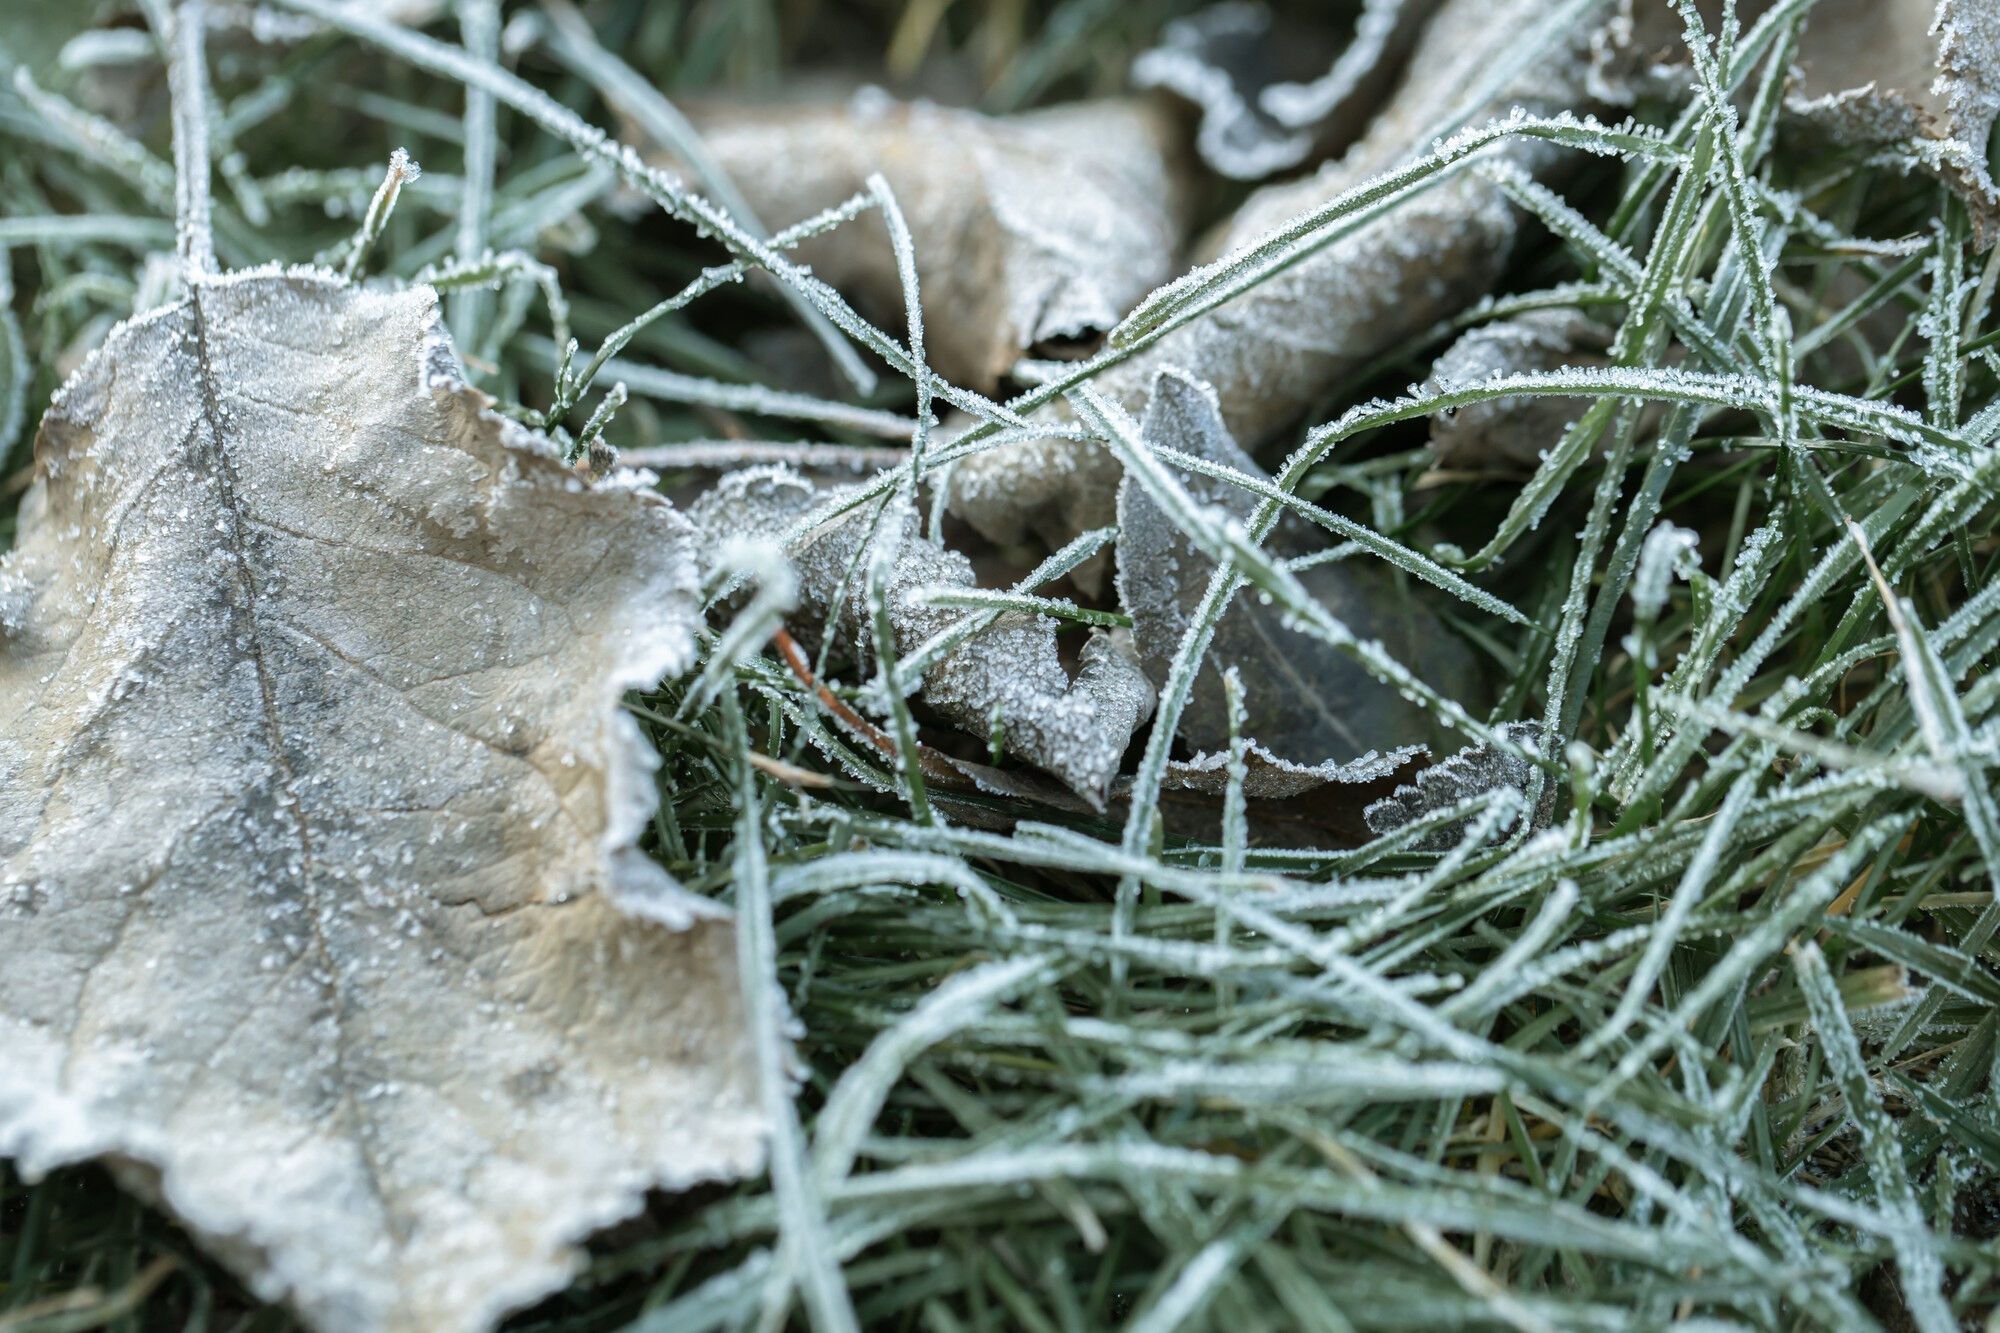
(1304, 700)
(1029, 230)
(1227, 60)
(1916, 76)
(1270, 351)
(1472, 771)
(318, 811)
(1074, 729)
(1511, 432)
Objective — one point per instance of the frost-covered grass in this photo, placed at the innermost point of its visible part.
(1715, 1044)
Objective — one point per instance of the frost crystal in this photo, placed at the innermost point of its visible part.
(1272, 350)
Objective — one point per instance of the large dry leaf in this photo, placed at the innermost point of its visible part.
(1074, 728)
(1029, 230)
(318, 811)
(1305, 702)
(1272, 350)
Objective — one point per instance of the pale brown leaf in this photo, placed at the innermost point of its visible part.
(1511, 432)
(321, 916)
(1029, 230)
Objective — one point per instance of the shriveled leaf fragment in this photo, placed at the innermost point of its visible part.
(1231, 61)
(1305, 702)
(1474, 771)
(321, 915)
(1273, 349)
(1030, 231)
(1007, 675)
(1916, 77)
(1511, 432)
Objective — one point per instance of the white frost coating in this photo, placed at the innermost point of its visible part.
(1028, 229)
(316, 804)
(1510, 432)
(1075, 729)
(1199, 58)
(1668, 551)
(1382, 30)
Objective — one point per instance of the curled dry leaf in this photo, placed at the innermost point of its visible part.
(1269, 352)
(1912, 76)
(1228, 61)
(1305, 702)
(1029, 230)
(321, 916)
(1472, 771)
(1074, 729)
(1511, 432)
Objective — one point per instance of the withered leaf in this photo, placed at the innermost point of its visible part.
(1074, 729)
(1305, 702)
(1917, 77)
(321, 916)
(1473, 771)
(1268, 777)
(1271, 350)
(1029, 230)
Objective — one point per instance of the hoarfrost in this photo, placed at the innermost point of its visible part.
(1914, 79)
(1510, 432)
(1223, 59)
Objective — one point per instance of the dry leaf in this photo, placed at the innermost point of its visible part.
(1075, 729)
(1270, 351)
(1227, 60)
(1511, 432)
(1029, 230)
(1473, 771)
(317, 810)
(1912, 76)
(1304, 700)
